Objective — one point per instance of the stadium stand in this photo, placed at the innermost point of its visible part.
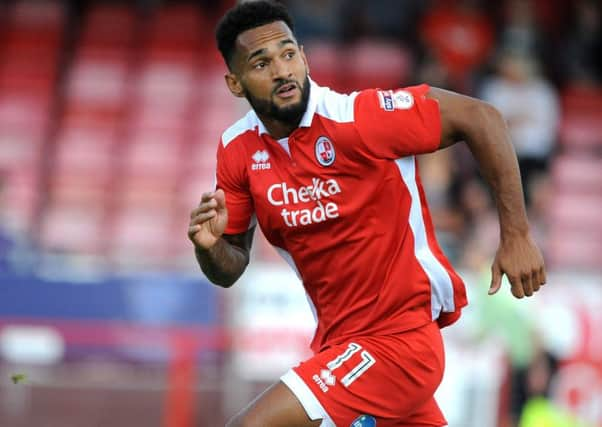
(31, 40)
(575, 224)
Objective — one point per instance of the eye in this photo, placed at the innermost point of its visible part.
(260, 65)
(290, 54)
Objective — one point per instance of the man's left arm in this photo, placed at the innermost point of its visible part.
(483, 129)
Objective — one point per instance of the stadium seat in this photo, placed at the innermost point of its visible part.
(214, 93)
(163, 82)
(73, 229)
(32, 41)
(96, 94)
(581, 124)
(108, 27)
(577, 211)
(32, 34)
(193, 183)
(582, 98)
(141, 236)
(175, 27)
(579, 174)
(23, 111)
(33, 74)
(98, 83)
(34, 28)
(213, 118)
(575, 226)
(376, 64)
(47, 14)
(325, 61)
(20, 197)
(151, 152)
(581, 251)
(86, 149)
(66, 186)
(150, 169)
(84, 164)
(170, 123)
(202, 157)
(20, 148)
(578, 132)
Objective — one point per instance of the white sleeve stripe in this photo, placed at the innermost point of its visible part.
(442, 290)
(290, 261)
(337, 107)
(249, 122)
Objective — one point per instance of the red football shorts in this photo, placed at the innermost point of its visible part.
(383, 381)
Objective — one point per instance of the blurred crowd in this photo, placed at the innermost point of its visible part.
(537, 61)
(522, 56)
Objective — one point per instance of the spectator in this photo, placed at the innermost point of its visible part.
(520, 33)
(539, 409)
(542, 194)
(316, 19)
(481, 228)
(581, 58)
(394, 19)
(460, 37)
(530, 106)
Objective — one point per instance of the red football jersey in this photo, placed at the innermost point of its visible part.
(341, 201)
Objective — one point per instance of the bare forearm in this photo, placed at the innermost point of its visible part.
(483, 129)
(489, 142)
(223, 263)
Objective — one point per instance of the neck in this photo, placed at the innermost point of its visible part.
(278, 129)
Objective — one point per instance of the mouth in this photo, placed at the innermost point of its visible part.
(287, 90)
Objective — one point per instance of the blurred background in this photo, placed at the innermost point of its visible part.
(110, 115)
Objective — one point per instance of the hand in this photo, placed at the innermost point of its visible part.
(521, 261)
(208, 221)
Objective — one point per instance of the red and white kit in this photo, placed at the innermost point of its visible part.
(341, 201)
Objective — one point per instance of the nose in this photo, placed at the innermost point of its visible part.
(280, 70)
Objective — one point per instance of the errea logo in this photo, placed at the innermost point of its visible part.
(327, 376)
(261, 158)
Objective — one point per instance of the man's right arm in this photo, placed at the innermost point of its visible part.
(222, 257)
(225, 261)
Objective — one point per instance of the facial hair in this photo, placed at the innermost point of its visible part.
(291, 114)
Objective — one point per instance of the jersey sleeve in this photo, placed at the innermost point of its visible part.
(231, 176)
(397, 123)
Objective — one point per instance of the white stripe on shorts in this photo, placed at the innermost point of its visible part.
(310, 403)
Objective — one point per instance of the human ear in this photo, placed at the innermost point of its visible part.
(234, 85)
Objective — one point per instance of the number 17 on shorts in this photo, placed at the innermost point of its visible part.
(329, 376)
(327, 385)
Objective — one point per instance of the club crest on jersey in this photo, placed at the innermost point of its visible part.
(325, 154)
(364, 421)
(261, 158)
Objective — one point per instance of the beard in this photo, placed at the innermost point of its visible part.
(290, 114)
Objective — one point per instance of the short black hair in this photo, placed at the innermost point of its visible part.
(246, 16)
